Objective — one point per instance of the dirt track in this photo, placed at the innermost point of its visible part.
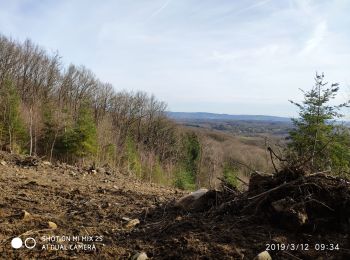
(86, 205)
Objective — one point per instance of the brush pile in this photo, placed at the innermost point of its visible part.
(308, 203)
(283, 208)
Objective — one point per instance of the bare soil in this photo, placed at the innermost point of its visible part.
(223, 225)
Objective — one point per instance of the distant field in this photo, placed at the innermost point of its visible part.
(211, 116)
(242, 127)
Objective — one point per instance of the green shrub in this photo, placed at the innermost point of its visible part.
(133, 158)
(229, 174)
(184, 180)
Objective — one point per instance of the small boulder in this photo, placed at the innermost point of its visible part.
(302, 217)
(187, 201)
(263, 256)
(46, 163)
(52, 225)
(132, 223)
(140, 256)
(125, 219)
(200, 200)
(26, 215)
(101, 170)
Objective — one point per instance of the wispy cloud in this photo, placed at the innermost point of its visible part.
(160, 9)
(253, 6)
(316, 38)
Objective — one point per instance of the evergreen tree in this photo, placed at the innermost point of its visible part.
(187, 173)
(230, 174)
(79, 140)
(133, 158)
(85, 130)
(316, 139)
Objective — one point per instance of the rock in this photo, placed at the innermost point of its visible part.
(26, 215)
(46, 163)
(52, 225)
(132, 223)
(125, 219)
(105, 205)
(3, 163)
(178, 218)
(101, 170)
(199, 200)
(302, 218)
(263, 256)
(140, 256)
(93, 171)
(198, 193)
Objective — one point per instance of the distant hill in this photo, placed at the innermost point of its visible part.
(180, 116)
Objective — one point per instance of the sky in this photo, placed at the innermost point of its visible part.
(220, 56)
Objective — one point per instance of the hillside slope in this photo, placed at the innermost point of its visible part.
(101, 205)
(79, 202)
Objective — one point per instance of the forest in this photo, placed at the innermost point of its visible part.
(67, 114)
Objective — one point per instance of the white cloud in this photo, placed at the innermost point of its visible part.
(316, 39)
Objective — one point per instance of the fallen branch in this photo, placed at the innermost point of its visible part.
(269, 191)
(238, 178)
(278, 157)
(225, 186)
(273, 163)
(28, 200)
(244, 182)
(318, 173)
(246, 165)
(319, 202)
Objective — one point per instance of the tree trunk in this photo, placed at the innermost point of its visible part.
(53, 145)
(31, 131)
(10, 137)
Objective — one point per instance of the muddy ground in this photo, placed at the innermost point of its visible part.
(100, 206)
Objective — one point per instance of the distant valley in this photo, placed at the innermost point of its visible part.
(248, 125)
(212, 116)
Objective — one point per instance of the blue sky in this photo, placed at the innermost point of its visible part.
(222, 56)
